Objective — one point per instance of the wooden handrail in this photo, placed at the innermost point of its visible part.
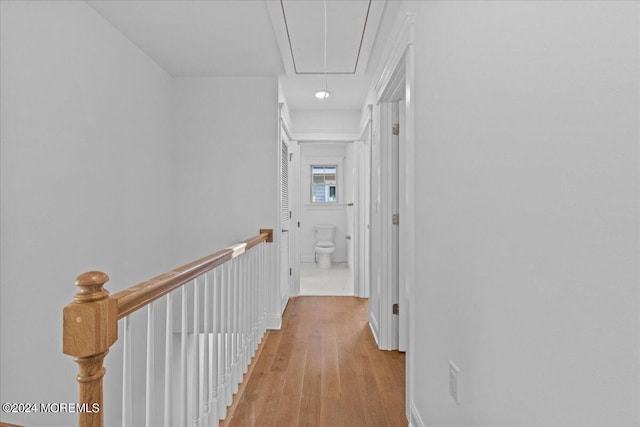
(90, 322)
(138, 296)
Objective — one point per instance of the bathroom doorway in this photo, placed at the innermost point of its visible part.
(325, 195)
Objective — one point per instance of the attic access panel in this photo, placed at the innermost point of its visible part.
(346, 26)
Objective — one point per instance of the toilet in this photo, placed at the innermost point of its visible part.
(325, 235)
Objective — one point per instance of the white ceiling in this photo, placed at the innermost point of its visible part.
(199, 38)
(249, 37)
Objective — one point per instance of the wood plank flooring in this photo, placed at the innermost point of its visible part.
(322, 368)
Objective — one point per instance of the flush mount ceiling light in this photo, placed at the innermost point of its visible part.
(324, 94)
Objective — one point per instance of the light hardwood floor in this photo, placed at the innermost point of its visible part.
(323, 368)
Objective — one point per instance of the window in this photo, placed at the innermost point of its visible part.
(323, 184)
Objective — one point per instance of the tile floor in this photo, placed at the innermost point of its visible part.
(315, 281)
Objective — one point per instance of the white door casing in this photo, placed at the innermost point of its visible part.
(283, 254)
(294, 225)
(363, 191)
(350, 209)
(397, 81)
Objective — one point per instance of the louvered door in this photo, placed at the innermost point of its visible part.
(285, 216)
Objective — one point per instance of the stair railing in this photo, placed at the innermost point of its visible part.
(215, 318)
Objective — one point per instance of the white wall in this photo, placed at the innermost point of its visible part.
(527, 211)
(86, 178)
(226, 149)
(313, 153)
(326, 120)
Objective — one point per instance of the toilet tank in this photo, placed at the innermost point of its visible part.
(325, 233)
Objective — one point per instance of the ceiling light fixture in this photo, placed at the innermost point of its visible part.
(324, 94)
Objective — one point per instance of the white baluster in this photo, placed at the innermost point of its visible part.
(244, 310)
(261, 290)
(247, 313)
(183, 361)
(258, 291)
(256, 288)
(222, 350)
(127, 414)
(215, 358)
(150, 379)
(227, 335)
(252, 310)
(236, 327)
(168, 363)
(254, 300)
(205, 350)
(241, 309)
(195, 377)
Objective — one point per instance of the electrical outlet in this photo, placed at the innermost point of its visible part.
(453, 381)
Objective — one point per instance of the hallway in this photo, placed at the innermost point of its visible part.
(495, 144)
(323, 369)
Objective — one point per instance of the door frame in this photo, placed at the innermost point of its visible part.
(300, 136)
(397, 81)
(384, 233)
(284, 136)
(362, 155)
(296, 212)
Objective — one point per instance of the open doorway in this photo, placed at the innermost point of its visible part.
(326, 199)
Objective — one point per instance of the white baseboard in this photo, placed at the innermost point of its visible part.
(285, 301)
(274, 321)
(373, 325)
(416, 419)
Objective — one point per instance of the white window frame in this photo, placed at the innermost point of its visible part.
(336, 185)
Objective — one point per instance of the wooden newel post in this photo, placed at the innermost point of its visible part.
(90, 327)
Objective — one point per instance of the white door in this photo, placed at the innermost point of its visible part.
(403, 300)
(285, 219)
(395, 209)
(385, 228)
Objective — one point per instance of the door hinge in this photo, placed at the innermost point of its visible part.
(290, 156)
(289, 214)
(290, 272)
(395, 129)
(396, 308)
(395, 219)
(298, 224)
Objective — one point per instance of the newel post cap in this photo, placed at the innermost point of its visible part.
(91, 286)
